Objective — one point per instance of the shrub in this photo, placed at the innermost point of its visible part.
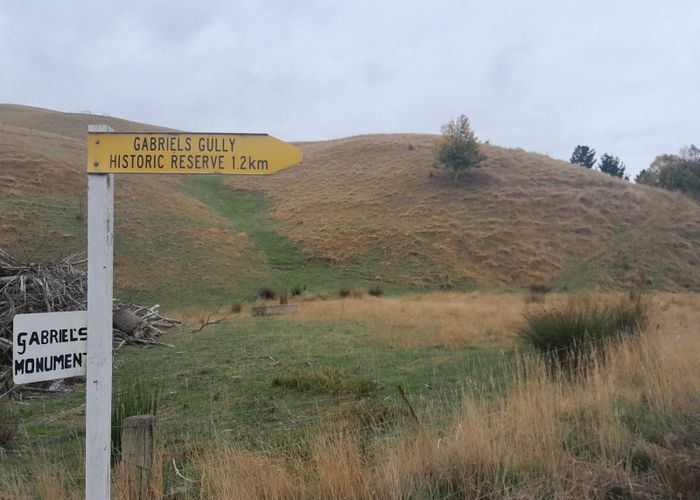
(344, 292)
(540, 288)
(566, 334)
(267, 293)
(283, 298)
(297, 290)
(130, 399)
(375, 290)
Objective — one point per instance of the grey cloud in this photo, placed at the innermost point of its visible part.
(545, 76)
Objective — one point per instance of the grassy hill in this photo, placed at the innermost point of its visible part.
(357, 210)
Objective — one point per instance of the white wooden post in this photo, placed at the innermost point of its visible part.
(98, 402)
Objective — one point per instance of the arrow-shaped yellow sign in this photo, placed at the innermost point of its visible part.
(188, 153)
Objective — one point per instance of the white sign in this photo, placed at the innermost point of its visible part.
(49, 346)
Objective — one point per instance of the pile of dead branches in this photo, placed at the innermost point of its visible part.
(133, 324)
(61, 285)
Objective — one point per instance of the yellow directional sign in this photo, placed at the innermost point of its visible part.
(188, 153)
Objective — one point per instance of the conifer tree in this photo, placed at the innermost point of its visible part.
(584, 156)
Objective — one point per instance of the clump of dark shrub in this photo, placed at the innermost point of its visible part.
(344, 292)
(543, 289)
(376, 290)
(297, 290)
(267, 293)
(567, 334)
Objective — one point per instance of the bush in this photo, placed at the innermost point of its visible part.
(344, 292)
(267, 293)
(566, 334)
(375, 290)
(540, 289)
(297, 290)
(134, 398)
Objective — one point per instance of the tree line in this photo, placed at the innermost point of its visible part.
(608, 164)
(675, 172)
(458, 150)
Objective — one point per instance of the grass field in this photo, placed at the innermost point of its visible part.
(308, 406)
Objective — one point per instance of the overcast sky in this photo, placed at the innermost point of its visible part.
(620, 76)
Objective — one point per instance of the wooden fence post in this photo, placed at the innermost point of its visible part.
(138, 453)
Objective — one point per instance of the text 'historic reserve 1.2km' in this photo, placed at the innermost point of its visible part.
(189, 153)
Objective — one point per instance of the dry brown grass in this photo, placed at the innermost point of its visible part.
(369, 203)
(230, 473)
(628, 429)
(522, 219)
(440, 318)
(544, 437)
(43, 213)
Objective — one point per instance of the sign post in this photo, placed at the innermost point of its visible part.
(98, 381)
(145, 152)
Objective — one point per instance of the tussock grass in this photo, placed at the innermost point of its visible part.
(566, 334)
(326, 380)
(267, 293)
(132, 398)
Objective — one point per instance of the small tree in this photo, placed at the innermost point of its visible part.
(458, 149)
(584, 156)
(612, 165)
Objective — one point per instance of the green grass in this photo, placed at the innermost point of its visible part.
(135, 398)
(265, 383)
(325, 380)
(274, 261)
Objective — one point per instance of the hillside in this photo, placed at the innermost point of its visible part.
(356, 210)
(522, 219)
